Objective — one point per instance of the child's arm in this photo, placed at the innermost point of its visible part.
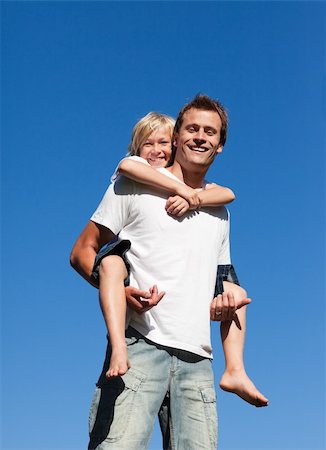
(215, 195)
(144, 173)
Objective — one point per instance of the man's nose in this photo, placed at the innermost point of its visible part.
(199, 140)
(200, 135)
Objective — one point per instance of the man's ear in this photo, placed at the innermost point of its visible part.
(219, 149)
(175, 140)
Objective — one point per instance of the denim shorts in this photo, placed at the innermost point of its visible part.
(225, 272)
(119, 247)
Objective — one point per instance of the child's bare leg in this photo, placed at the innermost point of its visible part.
(235, 378)
(113, 304)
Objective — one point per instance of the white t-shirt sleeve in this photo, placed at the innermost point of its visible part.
(132, 158)
(113, 212)
(224, 256)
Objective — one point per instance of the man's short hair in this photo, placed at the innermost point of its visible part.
(205, 103)
(145, 127)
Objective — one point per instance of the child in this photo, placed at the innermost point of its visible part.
(150, 149)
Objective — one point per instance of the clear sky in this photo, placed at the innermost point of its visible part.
(76, 76)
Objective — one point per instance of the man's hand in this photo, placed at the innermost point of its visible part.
(142, 301)
(224, 306)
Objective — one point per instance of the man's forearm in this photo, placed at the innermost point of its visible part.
(82, 260)
(83, 254)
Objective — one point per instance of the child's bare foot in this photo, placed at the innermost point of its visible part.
(239, 383)
(119, 363)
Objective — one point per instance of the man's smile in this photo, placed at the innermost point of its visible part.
(195, 148)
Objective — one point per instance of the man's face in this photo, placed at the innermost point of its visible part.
(198, 139)
(157, 148)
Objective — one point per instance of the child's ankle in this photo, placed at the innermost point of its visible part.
(119, 345)
(234, 368)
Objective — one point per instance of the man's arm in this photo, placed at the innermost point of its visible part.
(90, 241)
(82, 257)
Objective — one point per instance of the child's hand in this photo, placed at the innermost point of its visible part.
(188, 194)
(177, 206)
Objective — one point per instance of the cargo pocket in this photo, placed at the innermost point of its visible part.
(209, 400)
(124, 404)
(102, 411)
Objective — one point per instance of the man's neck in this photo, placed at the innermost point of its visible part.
(189, 177)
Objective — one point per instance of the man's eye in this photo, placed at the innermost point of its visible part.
(191, 129)
(210, 133)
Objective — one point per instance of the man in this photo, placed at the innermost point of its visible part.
(169, 346)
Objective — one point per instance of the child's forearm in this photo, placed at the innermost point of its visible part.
(215, 195)
(144, 173)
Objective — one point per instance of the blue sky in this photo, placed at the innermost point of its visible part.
(76, 76)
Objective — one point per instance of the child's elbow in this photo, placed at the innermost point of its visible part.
(124, 166)
(231, 195)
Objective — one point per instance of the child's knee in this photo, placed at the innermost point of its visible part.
(238, 291)
(113, 266)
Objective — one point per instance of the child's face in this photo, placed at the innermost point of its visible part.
(157, 148)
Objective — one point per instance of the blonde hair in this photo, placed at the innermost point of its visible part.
(145, 127)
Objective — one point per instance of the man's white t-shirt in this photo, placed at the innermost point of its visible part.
(179, 255)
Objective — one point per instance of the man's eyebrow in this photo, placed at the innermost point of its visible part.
(208, 127)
